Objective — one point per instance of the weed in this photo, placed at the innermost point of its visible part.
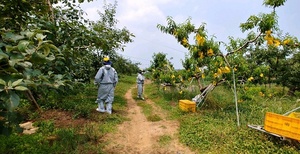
(153, 118)
(164, 140)
(46, 127)
(146, 108)
(90, 132)
(213, 128)
(79, 102)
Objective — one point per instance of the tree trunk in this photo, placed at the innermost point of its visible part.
(199, 83)
(292, 90)
(33, 101)
(50, 10)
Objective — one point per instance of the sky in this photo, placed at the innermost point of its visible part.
(222, 18)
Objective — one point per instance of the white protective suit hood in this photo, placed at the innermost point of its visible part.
(107, 67)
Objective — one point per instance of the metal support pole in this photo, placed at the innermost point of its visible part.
(235, 93)
(235, 99)
(291, 111)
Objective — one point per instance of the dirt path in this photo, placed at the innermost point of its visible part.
(139, 136)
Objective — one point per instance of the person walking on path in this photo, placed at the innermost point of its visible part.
(106, 79)
(140, 84)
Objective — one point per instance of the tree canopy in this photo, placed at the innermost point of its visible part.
(264, 56)
(45, 46)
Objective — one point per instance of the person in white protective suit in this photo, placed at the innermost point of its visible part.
(140, 84)
(107, 79)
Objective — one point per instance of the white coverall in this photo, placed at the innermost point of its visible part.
(106, 78)
(140, 84)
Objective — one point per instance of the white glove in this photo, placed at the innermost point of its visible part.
(96, 83)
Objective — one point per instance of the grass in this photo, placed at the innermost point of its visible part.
(213, 128)
(147, 109)
(85, 138)
(164, 140)
(148, 112)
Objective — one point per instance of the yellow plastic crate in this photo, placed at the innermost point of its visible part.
(187, 105)
(295, 115)
(285, 126)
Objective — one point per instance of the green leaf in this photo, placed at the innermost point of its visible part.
(11, 70)
(13, 101)
(23, 45)
(21, 88)
(12, 36)
(2, 45)
(2, 82)
(43, 78)
(58, 83)
(47, 42)
(37, 58)
(53, 47)
(40, 37)
(30, 51)
(3, 56)
(50, 58)
(11, 48)
(28, 34)
(16, 56)
(58, 76)
(273, 4)
(25, 64)
(41, 31)
(12, 62)
(30, 83)
(46, 51)
(9, 83)
(17, 82)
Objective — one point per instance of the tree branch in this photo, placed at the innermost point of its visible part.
(32, 99)
(245, 45)
(50, 10)
(83, 47)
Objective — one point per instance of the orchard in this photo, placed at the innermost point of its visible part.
(264, 57)
(53, 47)
(50, 53)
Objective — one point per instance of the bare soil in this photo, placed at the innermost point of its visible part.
(63, 119)
(140, 136)
(135, 136)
